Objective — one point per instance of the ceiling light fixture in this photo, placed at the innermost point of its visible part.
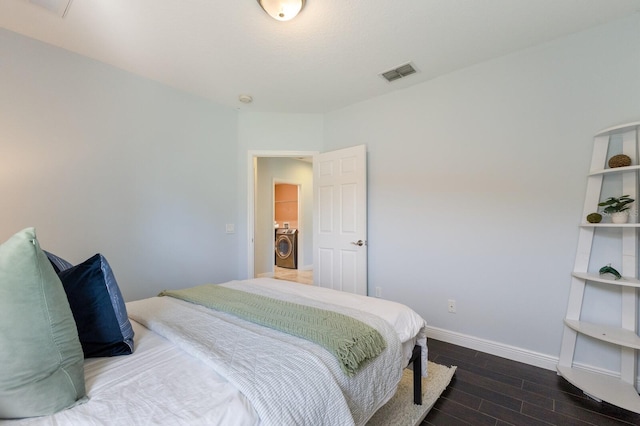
(282, 10)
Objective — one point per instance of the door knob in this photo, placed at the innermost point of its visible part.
(358, 243)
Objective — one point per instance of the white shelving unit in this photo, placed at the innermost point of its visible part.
(620, 391)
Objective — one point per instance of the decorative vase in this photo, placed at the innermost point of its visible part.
(620, 217)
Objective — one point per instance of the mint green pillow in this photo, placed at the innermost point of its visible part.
(41, 360)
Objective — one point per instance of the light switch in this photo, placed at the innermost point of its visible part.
(230, 228)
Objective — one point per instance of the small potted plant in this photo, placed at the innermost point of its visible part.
(618, 208)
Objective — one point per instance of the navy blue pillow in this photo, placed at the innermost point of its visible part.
(58, 263)
(98, 308)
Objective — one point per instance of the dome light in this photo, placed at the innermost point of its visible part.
(282, 10)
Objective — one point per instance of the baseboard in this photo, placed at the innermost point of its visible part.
(513, 353)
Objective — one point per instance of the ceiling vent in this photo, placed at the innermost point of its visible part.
(59, 7)
(399, 72)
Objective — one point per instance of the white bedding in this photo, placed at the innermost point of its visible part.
(409, 326)
(172, 383)
(288, 380)
(159, 384)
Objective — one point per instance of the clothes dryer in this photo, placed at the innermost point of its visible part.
(287, 248)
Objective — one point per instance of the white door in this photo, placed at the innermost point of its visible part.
(340, 219)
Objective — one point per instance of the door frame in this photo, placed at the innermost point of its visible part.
(252, 159)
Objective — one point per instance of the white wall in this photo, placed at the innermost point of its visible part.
(477, 180)
(287, 170)
(269, 134)
(99, 160)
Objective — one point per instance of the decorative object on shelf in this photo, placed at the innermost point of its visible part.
(620, 160)
(618, 208)
(620, 217)
(594, 217)
(616, 204)
(610, 270)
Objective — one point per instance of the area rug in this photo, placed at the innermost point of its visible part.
(400, 410)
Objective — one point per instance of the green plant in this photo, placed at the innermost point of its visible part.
(619, 204)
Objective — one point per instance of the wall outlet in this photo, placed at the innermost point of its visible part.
(378, 292)
(230, 228)
(452, 306)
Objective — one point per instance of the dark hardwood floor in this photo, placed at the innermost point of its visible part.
(489, 390)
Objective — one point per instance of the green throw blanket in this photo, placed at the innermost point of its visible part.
(351, 341)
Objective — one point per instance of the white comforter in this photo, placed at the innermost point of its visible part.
(287, 380)
(159, 384)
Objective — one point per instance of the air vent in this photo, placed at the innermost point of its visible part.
(399, 72)
(59, 7)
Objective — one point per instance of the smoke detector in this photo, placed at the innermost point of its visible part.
(245, 99)
(399, 72)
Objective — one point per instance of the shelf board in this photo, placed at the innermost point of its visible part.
(605, 388)
(624, 281)
(616, 335)
(610, 225)
(622, 128)
(614, 170)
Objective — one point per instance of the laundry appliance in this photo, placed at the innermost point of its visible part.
(287, 248)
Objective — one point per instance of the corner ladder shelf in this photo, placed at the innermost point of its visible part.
(620, 391)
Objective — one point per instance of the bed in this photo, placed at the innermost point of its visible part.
(193, 365)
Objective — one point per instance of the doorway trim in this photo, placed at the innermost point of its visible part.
(252, 160)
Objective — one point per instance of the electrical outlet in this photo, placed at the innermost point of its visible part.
(452, 306)
(378, 292)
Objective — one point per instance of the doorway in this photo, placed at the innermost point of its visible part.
(338, 228)
(267, 169)
(287, 219)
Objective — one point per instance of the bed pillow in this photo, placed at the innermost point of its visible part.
(58, 263)
(98, 308)
(41, 362)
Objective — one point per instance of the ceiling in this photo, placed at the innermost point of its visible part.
(328, 57)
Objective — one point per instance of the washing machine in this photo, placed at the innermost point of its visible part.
(287, 248)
